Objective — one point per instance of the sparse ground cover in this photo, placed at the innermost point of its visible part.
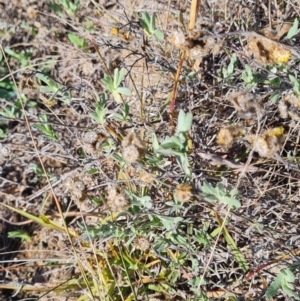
(113, 186)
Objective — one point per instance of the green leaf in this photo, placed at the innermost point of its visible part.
(152, 24)
(124, 91)
(107, 82)
(172, 142)
(117, 77)
(184, 121)
(3, 134)
(146, 19)
(296, 84)
(219, 193)
(207, 188)
(230, 201)
(76, 40)
(19, 234)
(144, 25)
(184, 164)
(169, 222)
(116, 96)
(282, 280)
(46, 129)
(159, 34)
(232, 64)
(43, 221)
(293, 30)
(155, 143)
(168, 152)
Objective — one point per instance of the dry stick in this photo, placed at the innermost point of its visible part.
(172, 103)
(101, 58)
(167, 19)
(45, 172)
(193, 14)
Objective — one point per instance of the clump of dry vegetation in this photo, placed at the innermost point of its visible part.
(149, 150)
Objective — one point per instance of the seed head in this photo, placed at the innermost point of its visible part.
(269, 143)
(146, 177)
(111, 192)
(247, 104)
(131, 153)
(141, 243)
(133, 139)
(90, 137)
(183, 192)
(133, 148)
(290, 106)
(116, 200)
(229, 134)
(118, 203)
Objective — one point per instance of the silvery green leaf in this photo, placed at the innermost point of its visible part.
(293, 30)
(184, 164)
(146, 19)
(210, 198)
(207, 188)
(118, 77)
(116, 96)
(172, 142)
(107, 82)
(168, 152)
(184, 121)
(124, 91)
(152, 24)
(169, 222)
(230, 201)
(155, 143)
(158, 33)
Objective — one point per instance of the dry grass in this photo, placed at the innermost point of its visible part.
(108, 216)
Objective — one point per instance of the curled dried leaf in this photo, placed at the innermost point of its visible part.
(266, 51)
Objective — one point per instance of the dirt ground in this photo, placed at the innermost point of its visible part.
(264, 228)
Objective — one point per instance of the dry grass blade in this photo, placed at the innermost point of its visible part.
(234, 249)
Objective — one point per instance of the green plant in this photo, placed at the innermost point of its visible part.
(284, 281)
(11, 112)
(69, 6)
(123, 114)
(293, 30)
(220, 194)
(22, 57)
(249, 77)
(112, 85)
(3, 133)
(99, 115)
(37, 169)
(227, 73)
(7, 89)
(52, 88)
(296, 85)
(148, 24)
(77, 41)
(177, 145)
(45, 128)
(19, 234)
